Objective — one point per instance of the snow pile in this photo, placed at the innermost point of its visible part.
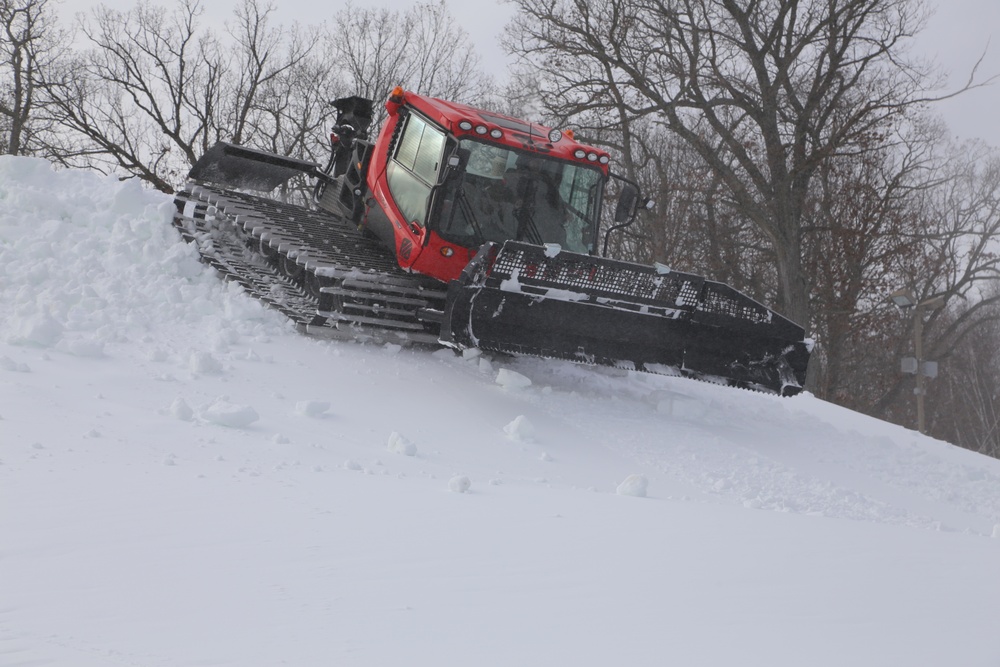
(90, 262)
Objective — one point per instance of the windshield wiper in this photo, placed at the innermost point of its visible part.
(470, 215)
(527, 230)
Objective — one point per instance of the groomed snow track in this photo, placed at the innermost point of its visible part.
(314, 267)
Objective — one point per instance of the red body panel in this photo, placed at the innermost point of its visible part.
(420, 249)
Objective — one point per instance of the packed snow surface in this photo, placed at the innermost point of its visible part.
(184, 480)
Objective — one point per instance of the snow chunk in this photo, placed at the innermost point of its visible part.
(179, 409)
(38, 331)
(996, 532)
(520, 430)
(552, 250)
(351, 464)
(205, 363)
(311, 408)
(82, 348)
(460, 484)
(634, 485)
(400, 445)
(224, 413)
(8, 364)
(512, 380)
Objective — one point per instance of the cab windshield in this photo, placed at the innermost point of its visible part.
(505, 194)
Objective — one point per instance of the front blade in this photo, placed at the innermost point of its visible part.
(247, 168)
(526, 299)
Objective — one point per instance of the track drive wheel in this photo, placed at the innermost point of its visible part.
(314, 285)
(295, 272)
(266, 251)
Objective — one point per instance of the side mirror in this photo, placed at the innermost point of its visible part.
(628, 202)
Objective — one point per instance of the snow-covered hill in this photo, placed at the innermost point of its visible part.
(186, 481)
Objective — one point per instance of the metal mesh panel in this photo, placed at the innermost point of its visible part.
(599, 277)
(724, 300)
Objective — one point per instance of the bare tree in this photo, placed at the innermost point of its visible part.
(959, 261)
(266, 56)
(147, 95)
(421, 49)
(862, 233)
(764, 92)
(967, 397)
(156, 90)
(30, 42)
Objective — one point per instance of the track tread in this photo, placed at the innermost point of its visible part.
(377, 296)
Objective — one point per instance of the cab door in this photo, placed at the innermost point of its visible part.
(412, 172)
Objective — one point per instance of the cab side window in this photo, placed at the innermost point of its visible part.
(413, 170)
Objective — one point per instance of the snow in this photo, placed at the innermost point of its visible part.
(312, 408)
(459, 484)
(521, 429)
(224, 413)
(185, 480)
(398, 444)
(512, 380)
(635, 485)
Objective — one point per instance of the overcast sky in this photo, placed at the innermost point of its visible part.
(956, 36)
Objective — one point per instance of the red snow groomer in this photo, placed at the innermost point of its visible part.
(475, 230)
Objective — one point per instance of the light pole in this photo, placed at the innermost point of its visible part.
(905, 300)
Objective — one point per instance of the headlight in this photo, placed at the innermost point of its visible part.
(481, 129)
(555, 135)
(579, 154)
(465, 125)
(604, 159)
(592, 157)
(495, 133)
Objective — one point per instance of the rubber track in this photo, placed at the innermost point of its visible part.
(372, 296)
